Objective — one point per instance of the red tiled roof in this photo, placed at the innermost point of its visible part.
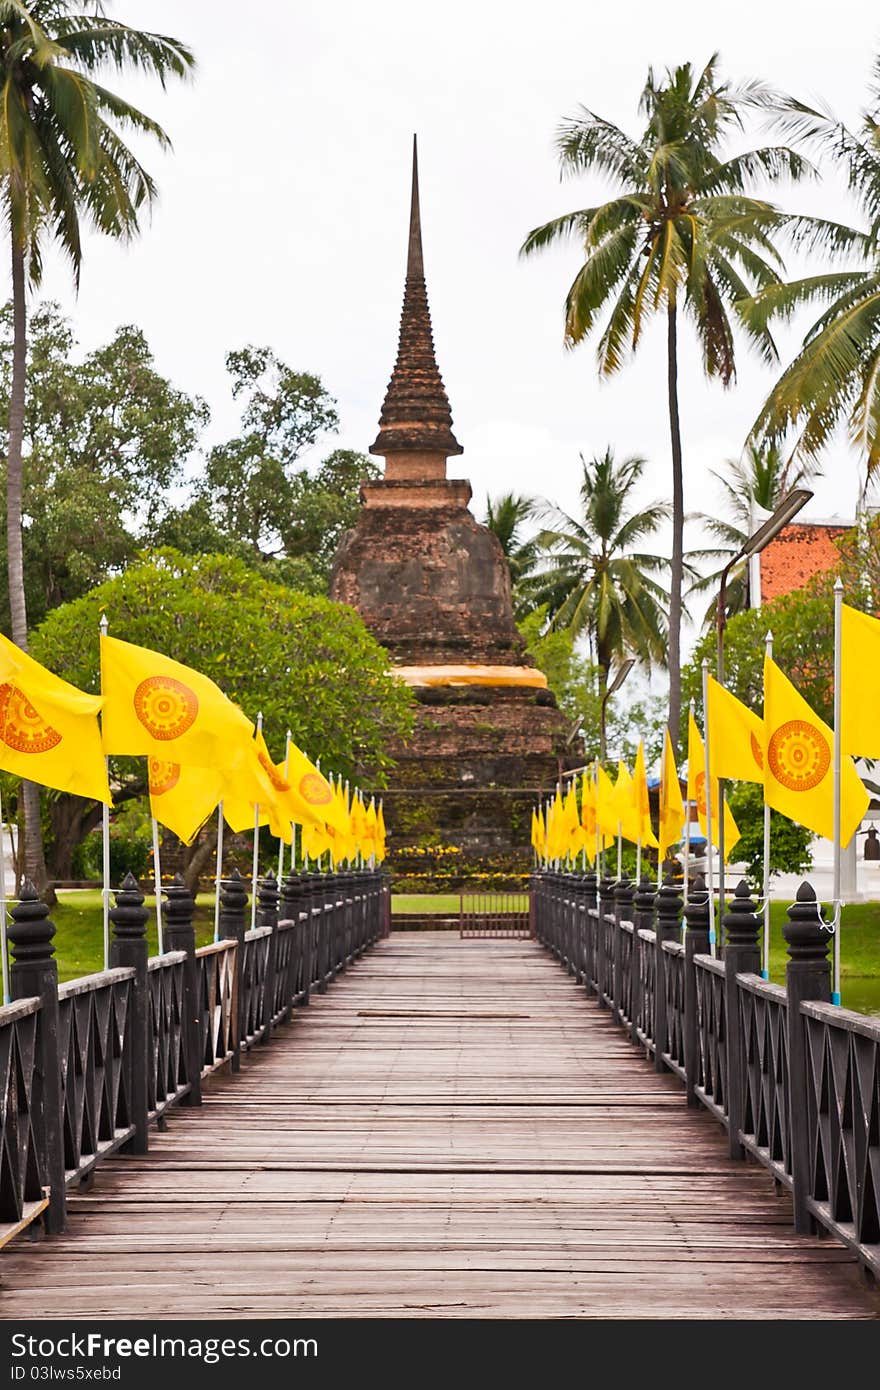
(802, 549)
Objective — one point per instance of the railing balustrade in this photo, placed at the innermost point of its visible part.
(792, 1079)
(90, 1066)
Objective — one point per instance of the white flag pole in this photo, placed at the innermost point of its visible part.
(105, 846)
(708, 773)
(157, 881)
(765, 967)
(287, 742)
(255, 867)
(619, 851)
(3, 947)
(837, 905)
(218, 874)
(639, 860)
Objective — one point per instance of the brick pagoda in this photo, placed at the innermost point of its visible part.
(433, 587)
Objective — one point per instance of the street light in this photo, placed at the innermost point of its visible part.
(621, 674)
(788, 508)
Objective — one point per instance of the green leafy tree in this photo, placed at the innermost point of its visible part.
(255, 498)
(63, 161)
(594, 581)
(105, 438)
(834, 379)
(574, 680)
(757, 481)
(308, 664)
(681, 237)
(508, 517)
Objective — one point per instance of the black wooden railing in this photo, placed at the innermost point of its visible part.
(794, 1081)
(89, 1066)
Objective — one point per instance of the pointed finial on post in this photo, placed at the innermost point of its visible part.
(104, 625)
(415, 266)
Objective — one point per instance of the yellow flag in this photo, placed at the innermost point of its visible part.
(671, 803)
(736, 736)
(799, 759)
(315, 840)
(606, 808)
(697, 791)
(642, 803)
(48, 729)
(182, 797)
(381, 847)
(625, 804)
(556, 827)
(253, 782)
(310, 797)
(574, 832)
(859, 683)
(155, 705)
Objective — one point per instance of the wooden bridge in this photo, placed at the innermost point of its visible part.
(453, 1127)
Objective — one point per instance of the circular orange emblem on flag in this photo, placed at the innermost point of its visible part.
(799, 755)
(757, 751)
(21, 726)
(165, 706)
(164, 776)
(268, 767)
(314, 789)
(700, 788)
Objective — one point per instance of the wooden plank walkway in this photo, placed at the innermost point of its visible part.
(451, 1131)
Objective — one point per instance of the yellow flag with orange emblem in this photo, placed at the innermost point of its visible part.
(799, 763)
(154, 705)
(48, 729)
(182, 797)
(697, 791)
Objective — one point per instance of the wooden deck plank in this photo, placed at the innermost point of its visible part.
(453, 1130)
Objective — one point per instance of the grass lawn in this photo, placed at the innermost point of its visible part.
(79, 948)
(79, 939)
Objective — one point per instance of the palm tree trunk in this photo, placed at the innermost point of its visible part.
(34, 859)
(676, 571)
(603, 709)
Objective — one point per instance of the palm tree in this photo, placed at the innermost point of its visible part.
(507, 517)
(749, 485)
(835, 378)
(63, 161)
(594, 583)
(681, 236)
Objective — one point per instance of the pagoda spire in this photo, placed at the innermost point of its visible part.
(415, 417)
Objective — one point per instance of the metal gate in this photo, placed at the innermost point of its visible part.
(494, 914)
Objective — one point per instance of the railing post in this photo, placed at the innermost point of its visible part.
(807, 976)
(742, 956)
(180, 936)
(129, 948)
(233, 907)
(606, 907)
(643, 920)
(696, 943)
(669, 906)
(34, 972)
(623, 911)
(267, 916)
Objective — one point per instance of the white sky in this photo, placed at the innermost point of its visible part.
(283, 212)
